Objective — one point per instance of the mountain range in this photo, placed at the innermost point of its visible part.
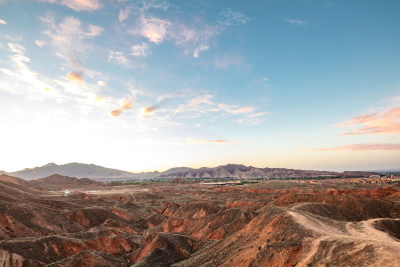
(80, 170)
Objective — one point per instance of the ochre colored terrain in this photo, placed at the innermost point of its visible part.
(271, 223)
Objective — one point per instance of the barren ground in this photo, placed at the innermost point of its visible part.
(270, 223)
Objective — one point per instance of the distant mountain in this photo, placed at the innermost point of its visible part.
(91, 171)
(74, 169)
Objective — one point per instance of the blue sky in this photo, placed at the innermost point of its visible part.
(149, 85)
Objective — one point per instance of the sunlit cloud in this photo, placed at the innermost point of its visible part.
(298, 22)
(102, 83)
(259, 114)
(126, 105)
(3, 22)
(140, 50)
(381, 122)
(359, 147)
(77, 5)
(206, 141)
(233, 110)
(124, 14)
(40, 43)
(154, 29)
(76, 76)
(199, 49)
(82, 5)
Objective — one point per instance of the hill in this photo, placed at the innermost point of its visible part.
(74, 169)
(58, 182)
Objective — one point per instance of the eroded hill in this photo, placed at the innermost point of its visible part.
(163, 224)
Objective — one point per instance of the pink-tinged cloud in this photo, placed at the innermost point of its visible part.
(205, 141)
(82, 5)
(154, 29)
(3, 22)
(94, 30)
(382, 122)
(124, 14)
(75, 76)
(126, 105)
(361, 147)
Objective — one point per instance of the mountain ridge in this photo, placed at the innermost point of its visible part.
(240, 171)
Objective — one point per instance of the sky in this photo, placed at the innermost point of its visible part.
(150, 85)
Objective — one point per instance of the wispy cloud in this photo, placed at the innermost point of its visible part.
(231, 18)
(199, 49)
(225, 61)
(359, 147)
(68, 37)
(298, 22)
(170, 95)
(77, 5)
(124, 14)
(381, 122)
(118, 58)
(205, 104)
(126, 105)
(140, 50)
(40, 43)
(3, 22)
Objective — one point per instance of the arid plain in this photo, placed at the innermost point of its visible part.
(266, 223)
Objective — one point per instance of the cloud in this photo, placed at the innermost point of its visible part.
(126, 105)
(102, 83)
(233, 110)
(124, 14)
(381, 122)
(3, 22)
(94, 30)
(68, 37)
(225, 61)
(259, 114)
(197, 104)
(154, 29)
(19, 79)
(206, 141)
(118, 58)
(76, 76)
(204, 104)
(199, 49)
(140, 50)
(297, 22)
(82, 5)
(171, 95)
(360, 147)
(40, 43)
(231, 18)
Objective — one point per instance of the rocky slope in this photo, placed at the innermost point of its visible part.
(165, 224)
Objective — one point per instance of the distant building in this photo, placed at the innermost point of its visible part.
(68, 192)
(374, 176)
